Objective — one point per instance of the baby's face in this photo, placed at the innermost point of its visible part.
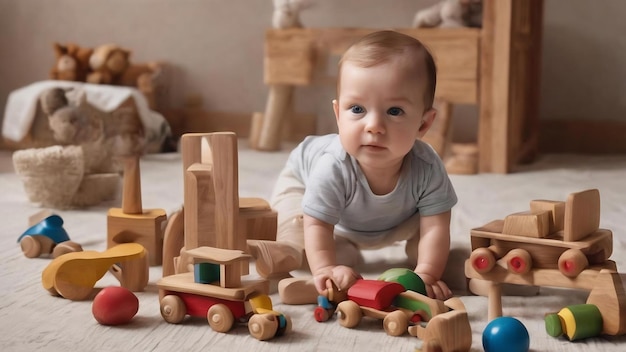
(379, 112)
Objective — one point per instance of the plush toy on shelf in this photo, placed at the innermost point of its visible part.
(287, 13)
(450, 14)
(108, 63)
(72, 62)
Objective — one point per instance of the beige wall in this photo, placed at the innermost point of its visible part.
(216, 47)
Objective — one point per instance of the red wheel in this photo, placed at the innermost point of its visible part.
(519, 261)
(572, 262)
(482, 260)
(321, 314)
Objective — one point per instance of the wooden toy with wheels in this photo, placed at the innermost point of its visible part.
(46, 236)
(203, 252)
(556, 244)
(214, 290)
(74, 275)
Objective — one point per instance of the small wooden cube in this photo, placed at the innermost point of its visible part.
(528, 224)
(556, 209)
(144, 229)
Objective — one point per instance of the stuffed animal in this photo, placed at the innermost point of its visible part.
(79, 171)
(287, 13)
(450, 14)
(108, 62)
(78, 124)
(72, 62)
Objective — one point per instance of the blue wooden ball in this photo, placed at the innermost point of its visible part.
(506, 334)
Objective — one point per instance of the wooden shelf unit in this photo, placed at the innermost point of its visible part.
(496, 68)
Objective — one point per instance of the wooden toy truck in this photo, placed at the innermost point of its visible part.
(214, 290)
(552, 235)
(554, 244)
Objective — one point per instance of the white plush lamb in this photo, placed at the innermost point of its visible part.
(287, 13)
(450, 14)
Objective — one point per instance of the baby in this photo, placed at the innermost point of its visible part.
(372, 184)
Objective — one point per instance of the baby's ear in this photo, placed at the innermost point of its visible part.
(427, 122)
(336, 108)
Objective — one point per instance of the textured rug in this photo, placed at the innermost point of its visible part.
(31, 319)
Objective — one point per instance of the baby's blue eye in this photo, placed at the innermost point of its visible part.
(395, 111)
(356, 109)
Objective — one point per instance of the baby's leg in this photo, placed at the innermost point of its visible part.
(275, 259)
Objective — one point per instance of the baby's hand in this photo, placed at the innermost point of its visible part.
(435, 288)
(343, 277)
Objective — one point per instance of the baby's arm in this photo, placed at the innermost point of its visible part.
(432, 253)
(319, 244)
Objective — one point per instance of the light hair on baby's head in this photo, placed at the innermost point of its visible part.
(383, 46)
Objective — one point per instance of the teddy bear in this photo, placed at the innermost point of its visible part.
(450, 14)
(72, 62)
(107, 63)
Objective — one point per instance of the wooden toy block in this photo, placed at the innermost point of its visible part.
(557, 212)
(576, 322)
(257, 220)
(74, 275)
(132, 223)
(173, 241)
(229, 262)
(609, 296)
(449, 331)
(582, 214)
(528, 224)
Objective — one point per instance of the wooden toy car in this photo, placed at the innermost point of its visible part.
(389, 301)
(74, 275)
(563, 235)
(214, 290)
(46, 235)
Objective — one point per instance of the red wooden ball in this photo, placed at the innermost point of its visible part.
(114, 305)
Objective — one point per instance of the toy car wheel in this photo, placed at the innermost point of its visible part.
(572, 262)
(220, 318)
(66, 247)
(349, 314)
(72, 291)
(396, 323)
(173, 309)
(263, 326)
(519, 261)
(321, 314)
(30, 247)
(482, 260)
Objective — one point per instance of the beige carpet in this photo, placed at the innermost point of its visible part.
(31, 319)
